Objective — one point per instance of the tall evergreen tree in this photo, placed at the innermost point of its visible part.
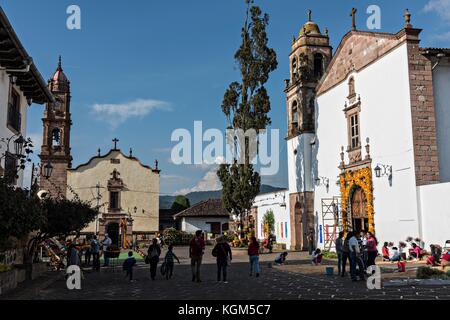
(246, 105)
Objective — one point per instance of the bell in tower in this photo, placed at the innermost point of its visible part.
(56, 134)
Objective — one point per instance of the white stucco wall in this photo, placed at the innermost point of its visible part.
(435, 207)
(192, 224)
(299, 162)
(441, 84)
(5, 132)
(386, 119)
(278, 202)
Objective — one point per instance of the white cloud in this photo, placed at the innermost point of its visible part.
(440, 7)
(209, 182)
(116, 114)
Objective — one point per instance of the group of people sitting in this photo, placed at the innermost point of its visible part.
(434, 258)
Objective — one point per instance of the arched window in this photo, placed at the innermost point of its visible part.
(318, 65)
(56, 137)
(351, 88)
(294, 66)
(294, 113)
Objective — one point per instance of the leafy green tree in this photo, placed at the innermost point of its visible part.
(180, 203)
(19, 214)
(269, 221)
(246, 105)
(63, 218)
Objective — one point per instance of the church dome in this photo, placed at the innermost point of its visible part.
(59, 75)
(309, 28)
(59, 81)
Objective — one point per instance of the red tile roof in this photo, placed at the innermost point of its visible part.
(207, 208)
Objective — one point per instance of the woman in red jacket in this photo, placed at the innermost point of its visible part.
(253, 252)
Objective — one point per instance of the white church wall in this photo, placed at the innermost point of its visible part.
(435, 212)
(441, 84)
(5, 131)
(296, 162)
(386, 119)
(192, 224)
(278, 202)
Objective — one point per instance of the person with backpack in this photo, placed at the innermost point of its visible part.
(128, 265)
(222, 252)
(196, 251)
(95, 250)
(169, 262)
(253, 253)
(154, 251)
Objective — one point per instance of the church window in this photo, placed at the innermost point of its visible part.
(354, 131)
(14, 116)
(351, 88)
(295, 113)
(56, 137)
(294, 67)
(318, 65)
(114, 200)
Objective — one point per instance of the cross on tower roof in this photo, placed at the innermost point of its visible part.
(309, 15)
(353, 15)
(115, 140)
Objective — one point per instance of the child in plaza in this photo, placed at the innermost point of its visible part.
(169, 261)
(281, 258)
(128, 265)
(316, 257)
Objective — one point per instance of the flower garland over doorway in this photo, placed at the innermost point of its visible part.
(349, 180)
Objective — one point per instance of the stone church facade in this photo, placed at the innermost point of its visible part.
(368, 138)
(126, 190)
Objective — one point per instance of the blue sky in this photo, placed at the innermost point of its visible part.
(161, 65)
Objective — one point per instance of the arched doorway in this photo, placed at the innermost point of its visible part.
(113, 232)
(301, 233)
(358, 207)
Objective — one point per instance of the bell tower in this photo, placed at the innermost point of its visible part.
(55, 148)
(310, 55)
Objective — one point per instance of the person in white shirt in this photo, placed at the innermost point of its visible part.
(106, 243)
(355, 256)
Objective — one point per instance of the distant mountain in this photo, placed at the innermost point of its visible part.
(165, 202)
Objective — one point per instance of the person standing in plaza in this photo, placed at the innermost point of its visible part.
(95, 250)
(128, 265)
(154, 251)
(169, 261)
(363, 246)
(196, 251)
(106, 243)
(253, 253)
(311, 241)
(339, 243)
(345, 254)
(87, 252)
(222, 252)
(355, 256)
(372, 251)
